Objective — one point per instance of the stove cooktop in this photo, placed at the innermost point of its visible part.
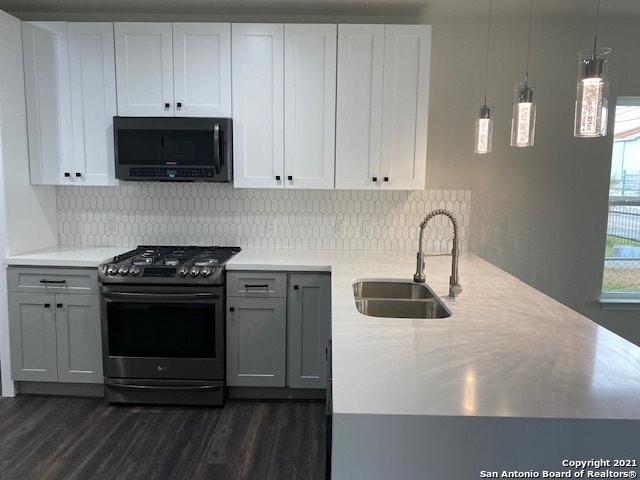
(159, 264)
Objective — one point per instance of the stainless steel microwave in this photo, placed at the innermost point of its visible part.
(187, 149)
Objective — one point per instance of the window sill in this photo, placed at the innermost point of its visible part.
(613, 303)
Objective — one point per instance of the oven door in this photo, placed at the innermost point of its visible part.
(158, 332)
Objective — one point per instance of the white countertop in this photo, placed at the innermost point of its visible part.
(506, 351)
(66, 256)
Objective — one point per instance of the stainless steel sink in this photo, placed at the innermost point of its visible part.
(384, 307)
(397, 299)
(389, 289)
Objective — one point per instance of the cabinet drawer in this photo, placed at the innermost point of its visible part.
(54, 280)
(256, 284)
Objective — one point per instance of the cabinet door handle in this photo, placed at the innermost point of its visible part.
(290, 178)
(167, 105)
(278, 177)
(56, 282)
(232, 309)
(67, 174)
(375, 179)
(58, 305)
(386, 179)
(78, 174)
(179, 104)
(296, 287)
(47, 305)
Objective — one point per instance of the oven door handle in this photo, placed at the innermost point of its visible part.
(158, 296)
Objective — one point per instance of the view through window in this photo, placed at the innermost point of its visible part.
(622, 256)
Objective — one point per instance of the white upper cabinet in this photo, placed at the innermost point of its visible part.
(258, 105)
(309, 105)
(202, 69)
(359, 106)
(179, 69)
(284, 105)
(93, 100)
(70, 96)
(383, 101)
(144, 69)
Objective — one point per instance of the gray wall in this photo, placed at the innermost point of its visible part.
(538, 213)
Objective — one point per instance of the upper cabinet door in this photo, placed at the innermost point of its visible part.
(202, 69)
(92, 76)
(359, 106)
(405, 106)
(144, 69)
(309, 105)
(46, 69)
(258, 105)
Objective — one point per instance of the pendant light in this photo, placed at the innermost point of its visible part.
(484, 122)
(592, 89)
(523, 120)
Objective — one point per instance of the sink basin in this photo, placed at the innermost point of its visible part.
(397, 299)
(385, 307)
(389, 289)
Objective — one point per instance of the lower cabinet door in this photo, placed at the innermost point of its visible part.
(79, 338)
(32, 332)
(256, 342)
(308, 330)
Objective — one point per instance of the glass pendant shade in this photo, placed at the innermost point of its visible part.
(484, 131)
(592, 93)
(523, 121)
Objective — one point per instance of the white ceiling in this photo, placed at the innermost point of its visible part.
(323, 7)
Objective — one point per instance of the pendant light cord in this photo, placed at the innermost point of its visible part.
(595, 38)
(526, 73)
(486, 71)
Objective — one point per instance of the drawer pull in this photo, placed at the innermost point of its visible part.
(247, 285)
(56, 282)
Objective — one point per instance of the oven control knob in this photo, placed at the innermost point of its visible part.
(112, 269)
(205, 271)
(194, 271)
(123, 270)
(183, 271)
(134, 270)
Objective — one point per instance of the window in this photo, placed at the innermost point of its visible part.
(622, 257)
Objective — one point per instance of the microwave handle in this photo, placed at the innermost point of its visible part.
(216, 147)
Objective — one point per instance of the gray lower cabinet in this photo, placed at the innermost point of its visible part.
(256, 342)
(278, 325)
(308, 330)
(54, 336)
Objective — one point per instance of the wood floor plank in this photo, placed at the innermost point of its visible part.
(85, 438)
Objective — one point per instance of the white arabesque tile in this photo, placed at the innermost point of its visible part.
(207, 214)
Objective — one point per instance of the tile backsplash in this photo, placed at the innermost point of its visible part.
(218, 214)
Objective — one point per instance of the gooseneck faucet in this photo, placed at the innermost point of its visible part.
(454, 287)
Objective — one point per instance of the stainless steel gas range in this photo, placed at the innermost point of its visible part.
(163, 327)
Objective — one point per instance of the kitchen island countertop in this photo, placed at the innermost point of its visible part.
(507, 350)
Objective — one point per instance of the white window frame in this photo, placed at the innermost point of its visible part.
(621, 300)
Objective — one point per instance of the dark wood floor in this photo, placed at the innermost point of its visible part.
(84, 438)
